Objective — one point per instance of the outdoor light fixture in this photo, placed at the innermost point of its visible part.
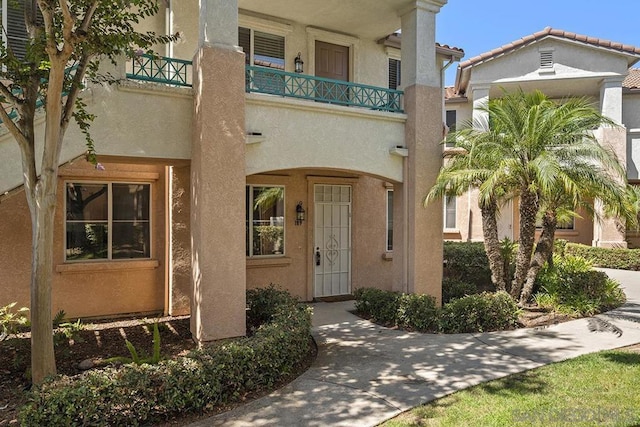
(299, 214)
(299, 63)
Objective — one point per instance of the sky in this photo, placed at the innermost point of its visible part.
(478, 26)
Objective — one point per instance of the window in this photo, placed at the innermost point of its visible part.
(15, 35)
(265, 221)
(262, 49)
(450, 121)
(107, 221)
(389, 220)
(450, 212)
(394, 73)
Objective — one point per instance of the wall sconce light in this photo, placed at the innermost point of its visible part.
(299, 63)
(299, 214)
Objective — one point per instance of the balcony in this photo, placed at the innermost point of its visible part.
(270, 81)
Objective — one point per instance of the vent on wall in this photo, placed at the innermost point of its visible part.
(546, 59)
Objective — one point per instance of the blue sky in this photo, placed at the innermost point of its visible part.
(478, 26)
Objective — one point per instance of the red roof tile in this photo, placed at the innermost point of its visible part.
(632, 81)
(548, 31)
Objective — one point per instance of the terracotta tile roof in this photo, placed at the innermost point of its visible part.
(445, 48)
(632, 81)
(395, 40)
(548, 31)
(450, 95)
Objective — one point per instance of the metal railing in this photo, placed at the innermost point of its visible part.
(160, 69)
(291, 85)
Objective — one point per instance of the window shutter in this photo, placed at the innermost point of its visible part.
(394, 73)
(16, 29)
(268, 48)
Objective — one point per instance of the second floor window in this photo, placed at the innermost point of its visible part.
(394, 73)
(14, 35)
(262, 49)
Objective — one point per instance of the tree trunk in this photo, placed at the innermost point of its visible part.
(544, 250)
(529, 205)
(43, 363)
(492, 245)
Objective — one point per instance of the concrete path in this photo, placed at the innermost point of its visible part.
(365, 374)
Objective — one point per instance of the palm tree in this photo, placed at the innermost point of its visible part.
(544, 153)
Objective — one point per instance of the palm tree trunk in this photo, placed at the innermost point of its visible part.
(529, 205)
(543, 252)
(492, 245)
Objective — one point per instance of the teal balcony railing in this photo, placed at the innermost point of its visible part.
(292, 85)
(160, 69)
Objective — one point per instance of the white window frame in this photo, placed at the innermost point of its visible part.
(265, 26)
(109, 184)
(455, 212)
(389, 206)
(249, 211)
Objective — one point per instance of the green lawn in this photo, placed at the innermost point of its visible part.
(597, 389)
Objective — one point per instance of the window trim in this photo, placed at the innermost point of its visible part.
(455, 212)
(109, 258)
(249, 220)
(389, 244)
(446, 114)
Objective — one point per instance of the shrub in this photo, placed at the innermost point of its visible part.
(378, 305)
(622, 259)
(453, 289)
(572, 287)
(467, 262)
(264, 303)
(418, 312)
(12, 320)
(480, 313)
(217, 375)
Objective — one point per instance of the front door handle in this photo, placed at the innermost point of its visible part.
(318, 256)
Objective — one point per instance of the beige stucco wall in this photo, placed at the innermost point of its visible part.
(306, 134)
(180, 228)
(572, 61)
(86, 289)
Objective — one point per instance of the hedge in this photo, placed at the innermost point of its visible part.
(467, 262)
(622, 259)
(217, 375)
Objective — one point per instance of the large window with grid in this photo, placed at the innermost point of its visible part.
(107, 221)
(262, 49)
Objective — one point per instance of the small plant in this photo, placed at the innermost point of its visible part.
(418, 312)
(480, 313)
(11, 320)
(135, 358)
(378, 305)
(571, 286)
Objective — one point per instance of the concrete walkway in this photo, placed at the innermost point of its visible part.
(365, 374)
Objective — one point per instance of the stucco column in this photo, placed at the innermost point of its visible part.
(480, 100)
(610, 232)
(218, 279)
(418, 257)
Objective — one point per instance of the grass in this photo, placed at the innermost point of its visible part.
(596, 389)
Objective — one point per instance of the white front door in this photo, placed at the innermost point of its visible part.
(505, 221)
(332, 240)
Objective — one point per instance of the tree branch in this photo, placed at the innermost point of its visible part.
(49, 29)
(67, 28)
(88, 16)
(69, 105)
(10, 97)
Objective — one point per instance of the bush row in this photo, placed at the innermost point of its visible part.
(467, 262)
(472, 313)
(217, 375)
(623, 259)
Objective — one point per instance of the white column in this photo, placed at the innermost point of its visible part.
(480, 100)
(610, 232)
(611, 98)
(219, 23)
(417, 255)
(218, 282)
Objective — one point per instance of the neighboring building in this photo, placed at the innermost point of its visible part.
(233, 171)
(560, 64)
